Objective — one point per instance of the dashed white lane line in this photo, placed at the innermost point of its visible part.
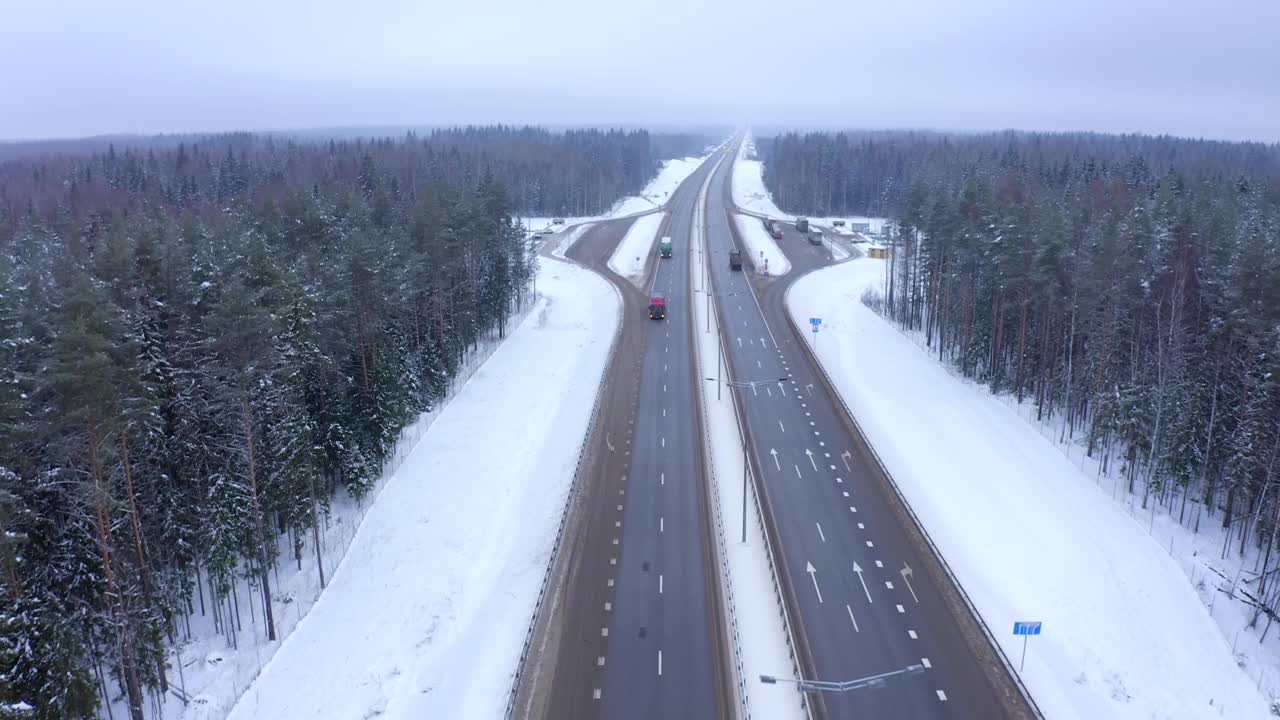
(925, 662)
(824, 537)
(659, 663)
(610, 579)
(662, 478)
(855, 622)
(600, 661)
(662, 525)
(870, 544)
(664, 412)
(912, 635)
(861, 526)
(844, 493)
(608, 606)
(798, 472)
(659, 583)
(781, 426)
(879, 564)
(900, 608)
(942, 696)
(595, 694)
(833, 467)
(853, 509)
(604, 632)
(888, 584)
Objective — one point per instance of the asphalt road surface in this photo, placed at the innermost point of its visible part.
(637, 632)
(869, 598)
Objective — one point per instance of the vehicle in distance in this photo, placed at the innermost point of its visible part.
(838, 223)
(735, 259)
(557, 221)
(815, 238)
(665, 247)
(773, 228)
(657, 308)
(802, 224)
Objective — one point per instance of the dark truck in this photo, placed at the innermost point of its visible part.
(735, 260)
(802, 224)
(664, 248)
(657, 308)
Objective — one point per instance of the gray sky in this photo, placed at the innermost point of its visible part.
(1189, 67)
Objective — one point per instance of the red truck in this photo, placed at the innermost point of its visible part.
(773, 228)
(657, 308)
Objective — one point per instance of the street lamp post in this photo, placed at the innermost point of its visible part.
(752, 385)
(872, 681)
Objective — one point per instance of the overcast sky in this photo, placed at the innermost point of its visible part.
(1205, 68)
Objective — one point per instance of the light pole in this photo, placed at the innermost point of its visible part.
(752, 385)
(873, 681)
(709, 296)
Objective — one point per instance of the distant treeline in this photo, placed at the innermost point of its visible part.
(201, 343)
(871, 172)
(1129, 286)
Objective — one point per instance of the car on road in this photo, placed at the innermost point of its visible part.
(557, 221)
(838, 223)
(664, 248)
(657, 308)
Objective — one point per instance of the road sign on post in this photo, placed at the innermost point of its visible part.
(815, 323)
(1026, 629)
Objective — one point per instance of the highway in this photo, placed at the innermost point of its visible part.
(868, 595)
(637, 629)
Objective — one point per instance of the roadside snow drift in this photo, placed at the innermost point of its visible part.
(427, 613)
(749, 192)
(637, 248)
(1030, 537)
(658, 191)
(765, 253)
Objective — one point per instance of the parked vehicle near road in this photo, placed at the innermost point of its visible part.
(657, 308)
(838, 223)
(773, 228)
(557, 221)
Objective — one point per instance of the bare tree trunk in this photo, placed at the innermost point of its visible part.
(257, 522)
(137, 546)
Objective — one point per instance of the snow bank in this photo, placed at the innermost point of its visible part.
(637, 247)
(426, 615)
(749, 192)
(1028, 534)
(764, 251)
(659, 189)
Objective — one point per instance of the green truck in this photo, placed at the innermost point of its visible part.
(665, 247)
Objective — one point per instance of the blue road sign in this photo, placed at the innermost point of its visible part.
(815, 321)
(1026, 628)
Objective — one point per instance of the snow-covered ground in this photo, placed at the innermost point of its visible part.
(749, 192)
(426, 616)
(765, 253)
(1029, 534)
(756, 626)
(637, 249)
(658, 191)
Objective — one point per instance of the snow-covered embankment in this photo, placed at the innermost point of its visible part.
(637, 248)
(427, 613)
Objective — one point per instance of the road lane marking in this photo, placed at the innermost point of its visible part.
(844, 493)
(879, 564)
(855, 622)
(766, 389)
(739, 342)
(812, 462)
(659, 583)
(604, 632)
(664, 412)
(942, 696)
(659, 663)
(839, 480)
(600, 661)
(608, 606)
(813, 576)
(870, 544)
(845, 457)
(824, 537)
(912, 635)
(900, 608)
(853, 509)
(858, 571)
(615, 541)
(888, 584)
(611, 579)
(925, 662)
(662, 524)
(758, 364)
(595, 694)
(861, 526)
(781, 426)
(798, 472)
(617, 523)
(906, 574)
(664, 442)
(833, 467)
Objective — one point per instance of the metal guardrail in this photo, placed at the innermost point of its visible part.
(518, 676)
(942, 561)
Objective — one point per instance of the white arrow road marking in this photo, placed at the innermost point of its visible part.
(858, 569)
(758, 364)
(824, 537)
(607, 442)
(774, 453)
(813, 576)
(768, 390)
(808, 387)
(783, 388)
(855, 622)
(845, 457)
(809, 452)
(761, 342)
(906, 577)
(739, 342)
